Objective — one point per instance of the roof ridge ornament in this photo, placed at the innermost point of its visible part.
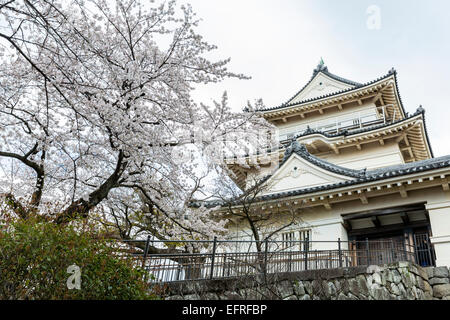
(392, 71)
(320, 67)
(420, 109)
(295, 147)
(309, 130)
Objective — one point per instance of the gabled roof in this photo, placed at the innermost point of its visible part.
(321, 68)
(300, 150)
(358, 176)
(354, 86)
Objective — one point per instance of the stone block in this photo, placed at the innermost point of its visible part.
(440, 272)
(380, 293)
(331, 289)
(210, 296)
(299, 289)
(428, 296)
(285, 289)
(394, 289)
(420, 283)
(305, 297)
(174, 298)
(192, 297)
(410, 294)
(408, 279)
(345, 286)
(396, 277)
(441, 290)
(402, 290)
(342, 296)
(338, 286)
(435, 281)
(403, 264)
(423, 273)
(352, 297)
(377, 278)
(308, 287)
(374, 268)
(427, 287)
(420, 294)
(429, 271)
(412, 268)
(230, 295)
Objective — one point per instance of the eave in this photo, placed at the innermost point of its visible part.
(360, 191)
(410, 133)
(384, 88)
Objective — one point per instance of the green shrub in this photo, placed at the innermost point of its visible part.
(34, 257)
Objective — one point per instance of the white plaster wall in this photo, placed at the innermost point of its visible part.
(329, 117)
(439, 211)
(371, 156)
(326, 225)
(321, 85)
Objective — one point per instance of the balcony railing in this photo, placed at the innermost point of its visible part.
(336, 125)
(224, 259)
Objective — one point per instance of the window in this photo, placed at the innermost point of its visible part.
(305, 235)
(296, 240)
(288, 238)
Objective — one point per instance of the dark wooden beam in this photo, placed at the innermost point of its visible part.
(386, 228)
(376, 221)
(348, 226)
(381, 212)
(405, 218)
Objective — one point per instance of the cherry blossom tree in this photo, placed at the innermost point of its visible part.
(96, 111)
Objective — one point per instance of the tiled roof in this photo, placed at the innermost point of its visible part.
(359, 176)
(345, 133)
(301, 150)
(341, 133)
(323, 69)
(355, 84)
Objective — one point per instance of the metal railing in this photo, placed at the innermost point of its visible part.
(338, 124)
(194, 260)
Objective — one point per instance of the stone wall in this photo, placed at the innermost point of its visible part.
(398, 281)
(438, 278)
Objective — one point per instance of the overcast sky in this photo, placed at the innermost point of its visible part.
(279, 43)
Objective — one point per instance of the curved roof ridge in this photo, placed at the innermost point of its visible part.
(338, 78)
(369, 176)
(361, 85)
(300, 150)
(310, 131)
(321, 68)
(405, 168)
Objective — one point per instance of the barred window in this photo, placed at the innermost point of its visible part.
(287, 240)
(305, 235)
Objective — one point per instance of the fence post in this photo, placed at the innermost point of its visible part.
(416, 249)
(406, 250)
(224, 264)
(213, 257)
(392, 250)
(306, 252)
(265, 258)
(147, 244)
(368, 251)
(340, 252)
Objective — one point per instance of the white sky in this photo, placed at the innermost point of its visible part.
(279, 43)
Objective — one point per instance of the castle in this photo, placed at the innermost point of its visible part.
(353, 165)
